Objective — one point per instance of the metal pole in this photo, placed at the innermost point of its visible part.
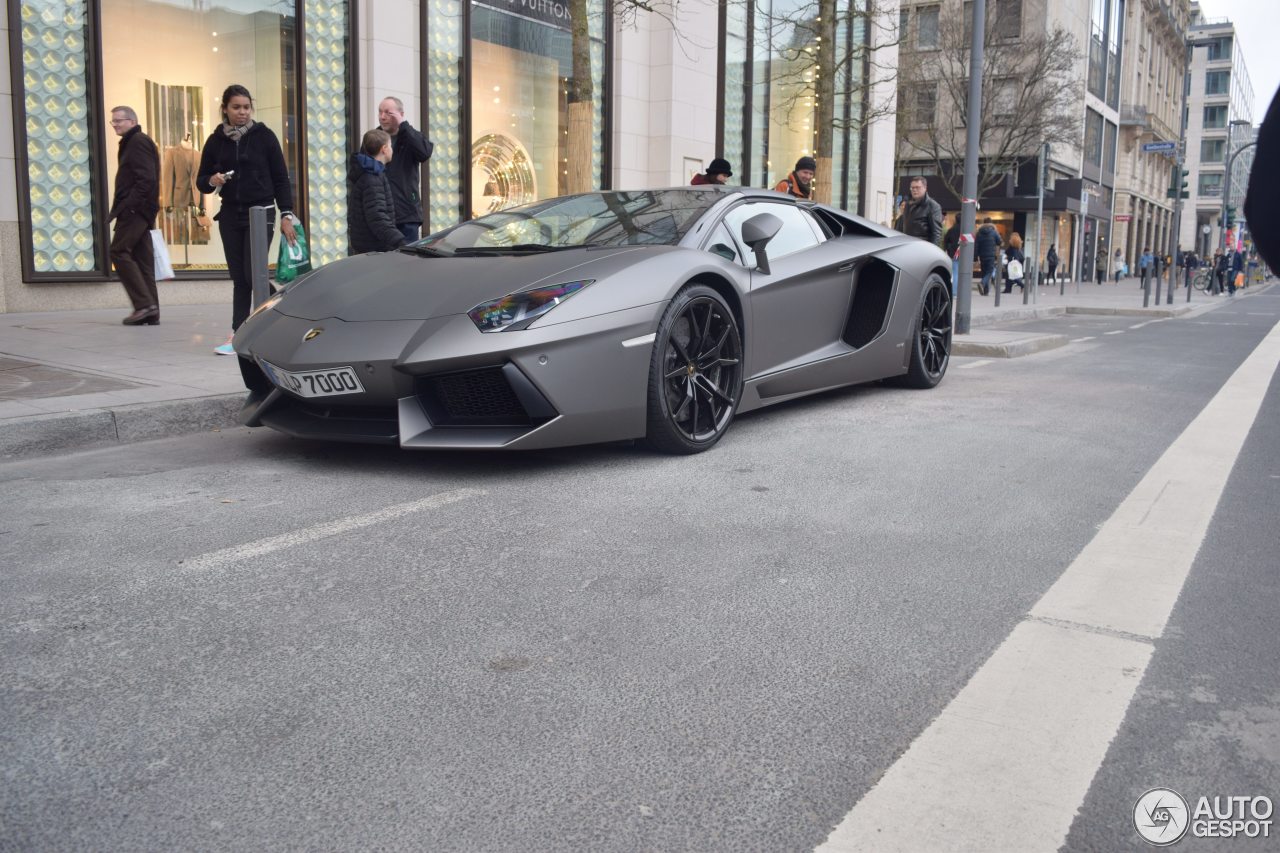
(1035, 261)
(258, 255)
(1062, 282)
(973, 139)
(1084, 206)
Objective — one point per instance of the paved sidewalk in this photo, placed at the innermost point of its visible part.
(76, 379)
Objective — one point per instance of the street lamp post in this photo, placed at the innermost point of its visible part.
(969, 204)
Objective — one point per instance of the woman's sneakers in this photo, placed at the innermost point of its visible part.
(227, 348)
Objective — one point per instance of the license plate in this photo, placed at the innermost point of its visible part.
(328, 382)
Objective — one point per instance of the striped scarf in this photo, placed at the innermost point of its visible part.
(237, 133)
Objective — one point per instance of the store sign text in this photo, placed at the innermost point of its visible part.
(553, 12)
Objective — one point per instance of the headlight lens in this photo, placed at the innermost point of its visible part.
(517, 310)
(266, 306)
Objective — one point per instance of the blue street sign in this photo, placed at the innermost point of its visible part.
(1148, 147)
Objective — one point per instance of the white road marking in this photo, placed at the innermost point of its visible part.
(1140, 325)
(1008, 762)
(972, 364)
(249, 550)
(1115, 332)
(1261, 313)
(1082, 340)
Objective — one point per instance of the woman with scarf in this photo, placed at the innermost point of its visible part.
(242, 161)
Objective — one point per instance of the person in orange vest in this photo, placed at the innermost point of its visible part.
(800, 182)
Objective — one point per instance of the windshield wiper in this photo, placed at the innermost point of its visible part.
(424, 251)
(519, 249)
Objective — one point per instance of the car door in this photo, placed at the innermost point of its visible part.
(800, 306)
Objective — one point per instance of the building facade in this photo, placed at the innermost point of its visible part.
(1026, 41)
(1219, 119)
(1151, 112)
(523, 100)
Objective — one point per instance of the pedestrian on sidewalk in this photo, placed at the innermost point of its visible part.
(986, 244)
(1220, 264)
(371, 212)
(1145, 263)
(1234, 271)
(134, 208)
(1017, 262)
(1100, 268)
(1051, 260)
(1189, 263)
(800, 182)
(921, 215)
(1119, 264)
(410, 149)
(243, 163)
(719, 172)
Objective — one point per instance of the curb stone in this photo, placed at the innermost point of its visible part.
(43, 434)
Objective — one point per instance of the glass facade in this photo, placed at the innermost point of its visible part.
(170, 60)
(793, 87)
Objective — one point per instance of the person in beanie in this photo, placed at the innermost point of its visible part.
(718, 172)
(800, 182)
(371, 211)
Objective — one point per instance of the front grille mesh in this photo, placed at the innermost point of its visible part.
(474, 397)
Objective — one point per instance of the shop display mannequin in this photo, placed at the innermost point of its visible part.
(181, 200)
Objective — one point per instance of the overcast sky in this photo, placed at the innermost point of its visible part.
(1257, 25)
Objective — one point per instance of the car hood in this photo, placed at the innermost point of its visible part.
(403, 286)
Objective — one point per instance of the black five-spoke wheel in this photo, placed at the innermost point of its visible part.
(696, 374)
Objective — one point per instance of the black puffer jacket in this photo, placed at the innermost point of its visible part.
(371, 212)
(261, 176)
(986, 242)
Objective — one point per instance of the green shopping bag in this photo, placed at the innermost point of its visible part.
(294, 259)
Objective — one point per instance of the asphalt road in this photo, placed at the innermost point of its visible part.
(240, 641)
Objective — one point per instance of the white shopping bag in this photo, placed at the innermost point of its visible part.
(163, 267)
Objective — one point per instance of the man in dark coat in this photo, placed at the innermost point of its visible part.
(371, 212)
(921, 216)
(411, 149)
(986, 243)
(719, 172)
(134, 208)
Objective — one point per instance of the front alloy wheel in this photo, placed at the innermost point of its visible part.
(695, 378)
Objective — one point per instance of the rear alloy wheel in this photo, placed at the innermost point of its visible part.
(930, 341)
(695, 376)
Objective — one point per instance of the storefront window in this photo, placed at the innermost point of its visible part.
(171, 62)
(781, 104)
(55, 82)
(328, 105)
(537, 103)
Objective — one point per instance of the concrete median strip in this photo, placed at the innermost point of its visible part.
(995, 343)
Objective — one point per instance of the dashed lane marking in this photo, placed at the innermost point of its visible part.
(973, 364)
(1115, 332)
(1008, 762)
(249, 550)
(1082, 340)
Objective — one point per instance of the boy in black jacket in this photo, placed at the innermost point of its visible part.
(371, 213)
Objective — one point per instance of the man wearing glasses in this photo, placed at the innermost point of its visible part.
(134, 209)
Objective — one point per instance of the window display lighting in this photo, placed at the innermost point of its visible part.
(327, 109)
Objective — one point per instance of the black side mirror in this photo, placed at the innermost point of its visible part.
(757, 232)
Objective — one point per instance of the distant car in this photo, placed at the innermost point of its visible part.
(655, 315)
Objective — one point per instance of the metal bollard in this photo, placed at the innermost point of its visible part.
(258, 245)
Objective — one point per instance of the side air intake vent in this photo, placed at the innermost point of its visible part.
(872, 296)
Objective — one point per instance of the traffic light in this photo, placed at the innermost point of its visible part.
(1231, 216)
(1176, 186)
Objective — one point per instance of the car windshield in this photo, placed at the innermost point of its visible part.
(640, 218)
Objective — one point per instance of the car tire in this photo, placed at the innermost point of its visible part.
(695, 373)
(930, 342)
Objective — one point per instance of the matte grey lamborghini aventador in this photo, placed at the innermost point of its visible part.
(654, 314)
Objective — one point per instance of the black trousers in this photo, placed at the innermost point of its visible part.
(233, 226)
(135, 261)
